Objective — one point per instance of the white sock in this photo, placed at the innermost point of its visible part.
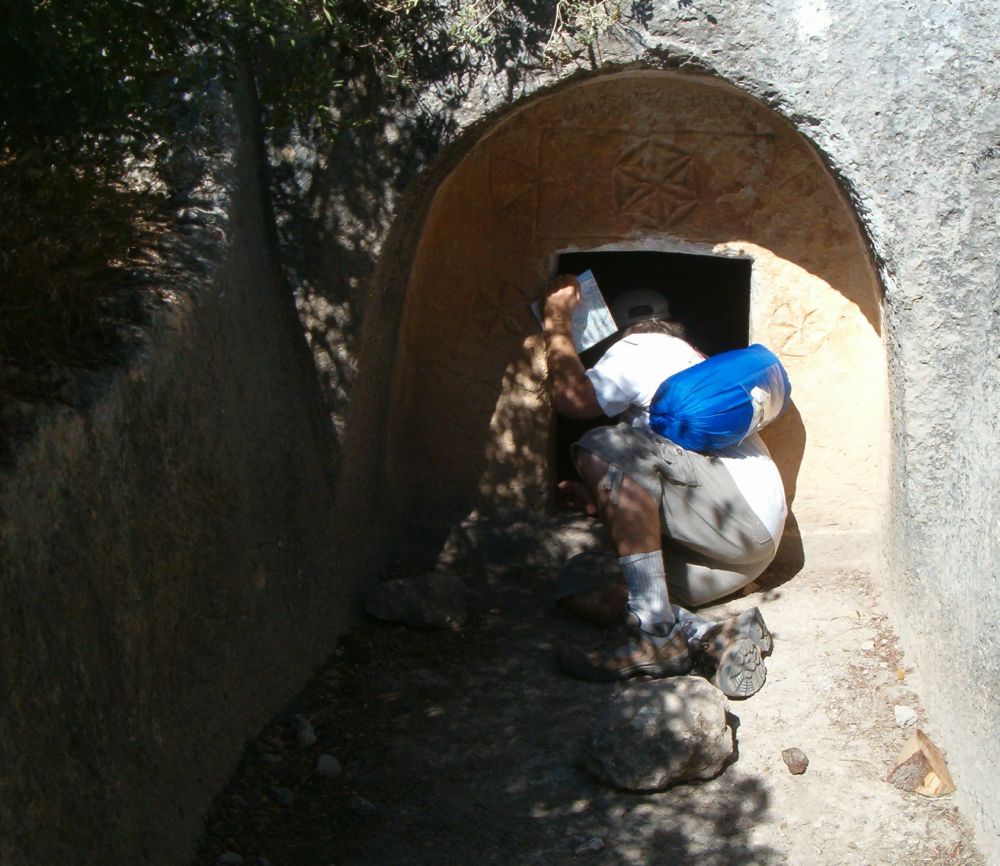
(647, 588)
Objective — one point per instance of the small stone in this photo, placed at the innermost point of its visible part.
(284, 797)
(921, 767)
(657, 734)
(304, 731)
(868, 646)
(360, 806)
(328, 766)
(594, 844)
(230, 858)
(796, 761)
(270, 744)
(905, 716)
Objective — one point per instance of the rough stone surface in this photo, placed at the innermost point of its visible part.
(328, 766)
(653, 735)
(435, 600)
(304, 732)
(795, 759)
(165, 571)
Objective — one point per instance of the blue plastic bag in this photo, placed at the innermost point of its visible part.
(722, 400)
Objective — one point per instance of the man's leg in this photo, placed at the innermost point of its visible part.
(632, 518)
(654, 644)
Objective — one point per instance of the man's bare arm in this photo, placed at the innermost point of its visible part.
(573, 393)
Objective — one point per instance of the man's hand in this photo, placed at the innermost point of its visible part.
(572, 392)
(562, 297)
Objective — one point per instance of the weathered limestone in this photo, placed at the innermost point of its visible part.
(166, 573)
(653, 735)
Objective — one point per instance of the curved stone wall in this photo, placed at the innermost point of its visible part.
(637, 161)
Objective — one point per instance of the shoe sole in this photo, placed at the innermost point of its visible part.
(741, 672)
(750, 624)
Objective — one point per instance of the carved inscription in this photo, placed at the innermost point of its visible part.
(655, 183)
(656, 109)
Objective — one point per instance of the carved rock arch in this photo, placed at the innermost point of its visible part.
(651, 161)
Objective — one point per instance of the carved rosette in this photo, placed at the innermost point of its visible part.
(655, 183)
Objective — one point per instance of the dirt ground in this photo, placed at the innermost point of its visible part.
(462, 747)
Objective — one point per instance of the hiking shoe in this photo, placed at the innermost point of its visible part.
(629, 652)
(714, 640)
(732, 652)
(741, 671)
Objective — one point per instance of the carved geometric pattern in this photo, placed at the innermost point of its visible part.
(655, 183)
(799, 329)
(512, 182)
(508, 310)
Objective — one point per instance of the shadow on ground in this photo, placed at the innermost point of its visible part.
(463, 747)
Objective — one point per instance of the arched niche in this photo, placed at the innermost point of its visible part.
(636, 161)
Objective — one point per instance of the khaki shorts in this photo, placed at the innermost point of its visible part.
(713, 542)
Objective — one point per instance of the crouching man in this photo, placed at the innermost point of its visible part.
(685, 525)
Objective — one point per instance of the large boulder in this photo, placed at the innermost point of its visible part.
(656, 734)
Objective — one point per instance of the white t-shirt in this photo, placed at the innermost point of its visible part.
(625, 381)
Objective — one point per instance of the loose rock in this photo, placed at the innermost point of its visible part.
(594, 844)
(905, 716)
(796, 761)
(304, 731)
(328, 767)
(283, 796)
(921, 767)
(271, 744)
(657, 734)
(360, 806)
(435, 600)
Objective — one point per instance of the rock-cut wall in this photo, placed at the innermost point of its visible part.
(165, 566)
